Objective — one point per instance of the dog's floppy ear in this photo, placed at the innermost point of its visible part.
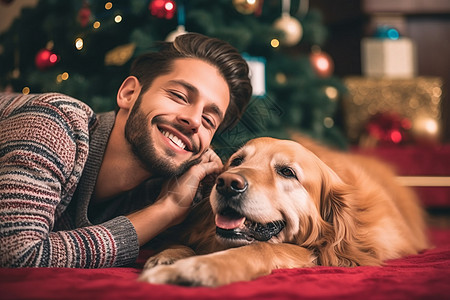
(204, 189)
(339, 244)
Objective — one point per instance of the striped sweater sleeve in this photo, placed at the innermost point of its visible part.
(44, 144)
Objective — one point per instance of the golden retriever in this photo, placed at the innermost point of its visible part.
(285, 204)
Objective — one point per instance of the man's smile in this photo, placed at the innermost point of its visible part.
(178, 139)
(174, 139)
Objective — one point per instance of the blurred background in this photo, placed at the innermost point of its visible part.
(370, 76)
(364, 72)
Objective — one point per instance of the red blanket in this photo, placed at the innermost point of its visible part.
(423, 276)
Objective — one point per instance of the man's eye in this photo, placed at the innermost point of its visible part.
(236, 161)
(286, 172)
(178, 96)
(210, 122)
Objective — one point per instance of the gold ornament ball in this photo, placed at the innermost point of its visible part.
(292, 29)
(246, 7)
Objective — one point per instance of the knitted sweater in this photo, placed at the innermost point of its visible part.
(51, 148)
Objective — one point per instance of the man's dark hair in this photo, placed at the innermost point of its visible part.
(218, 53)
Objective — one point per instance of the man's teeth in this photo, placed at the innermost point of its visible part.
(174, 139)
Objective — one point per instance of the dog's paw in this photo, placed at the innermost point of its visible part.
(158, 260)
(168, 256)
(187, 272)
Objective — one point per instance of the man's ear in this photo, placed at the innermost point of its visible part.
(128, 92)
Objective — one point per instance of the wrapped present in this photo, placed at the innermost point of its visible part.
(387, 54)
(377, 108)
(388, 58)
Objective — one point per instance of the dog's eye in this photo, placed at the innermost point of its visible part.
(236, 161)
(286, 172)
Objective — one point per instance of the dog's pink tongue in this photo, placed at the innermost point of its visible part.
(228, 223)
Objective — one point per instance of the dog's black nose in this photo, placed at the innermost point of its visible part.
(228, 184)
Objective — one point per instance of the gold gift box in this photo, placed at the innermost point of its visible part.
(418, 99)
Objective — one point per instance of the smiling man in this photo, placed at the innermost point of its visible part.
(84, 190)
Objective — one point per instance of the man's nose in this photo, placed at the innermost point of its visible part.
(191, 118)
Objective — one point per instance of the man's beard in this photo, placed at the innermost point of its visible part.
(138, 135)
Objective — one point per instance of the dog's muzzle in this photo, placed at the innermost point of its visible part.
(231, 223)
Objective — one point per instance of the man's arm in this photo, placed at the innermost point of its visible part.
(43, 147)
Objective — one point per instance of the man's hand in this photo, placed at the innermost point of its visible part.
(175, 199)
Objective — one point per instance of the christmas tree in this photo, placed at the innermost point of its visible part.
(84, 49)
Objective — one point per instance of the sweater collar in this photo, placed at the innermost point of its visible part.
(99, 135)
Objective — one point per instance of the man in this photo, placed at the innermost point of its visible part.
(85, 190)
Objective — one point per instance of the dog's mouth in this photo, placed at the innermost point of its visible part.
(237, 229)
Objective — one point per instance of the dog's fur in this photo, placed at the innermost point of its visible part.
(303, 205)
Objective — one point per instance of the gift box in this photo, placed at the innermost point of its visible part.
(389, 58)
(416, 100)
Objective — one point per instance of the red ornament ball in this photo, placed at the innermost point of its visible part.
(84, 16)
(389, 128)
(163, 9)
(45, 59)
(321, 63)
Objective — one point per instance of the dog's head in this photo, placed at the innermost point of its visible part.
(278, 191)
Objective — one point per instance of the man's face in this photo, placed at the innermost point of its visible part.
(177, 117)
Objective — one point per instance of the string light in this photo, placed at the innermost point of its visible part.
(118, 19)
(15, 73)
(50, 45)
(274, 43)
(96, 24)
(65, 76)
(431, 126)
(322, 64)
(26, 90)
(79, 43)
(331, 92)
(53, 58)
(396, 136)
(61, 77)
(426, 125)
(169, 6)
(108, 5)
(281, 78)
(328, 122)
